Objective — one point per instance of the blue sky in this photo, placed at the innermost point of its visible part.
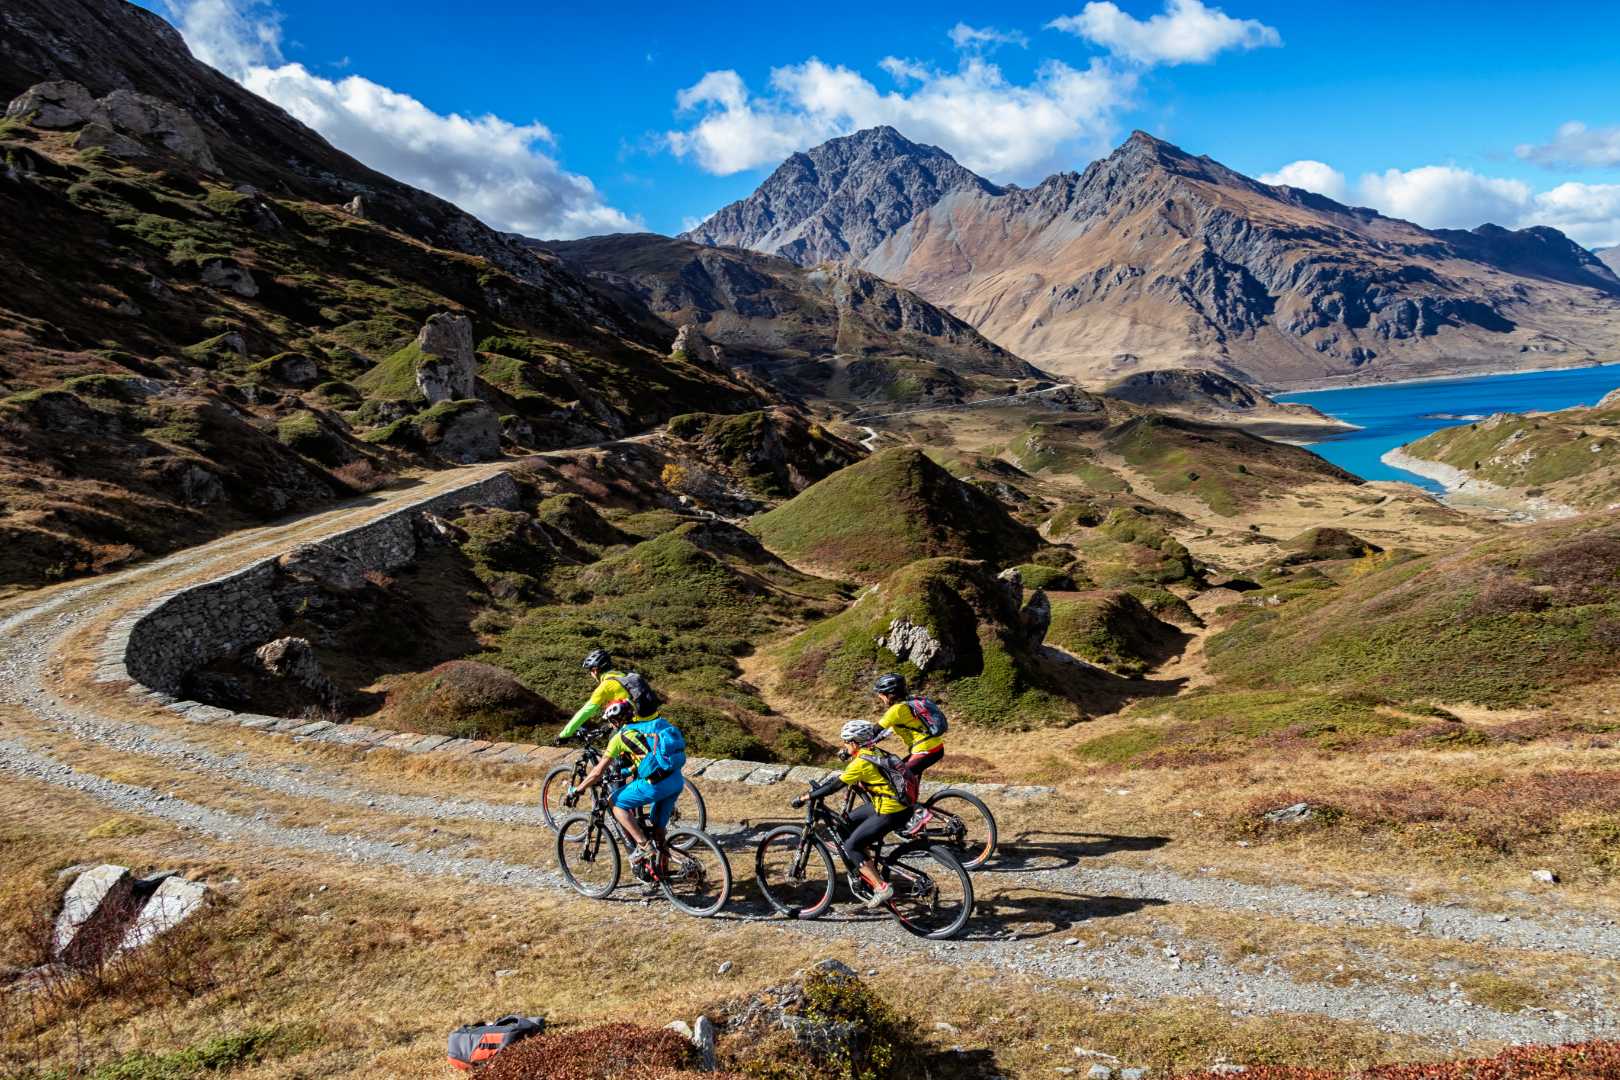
(564, 119)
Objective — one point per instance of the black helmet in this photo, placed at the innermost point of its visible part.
(619, 712)
(891, 684)
(597, 659)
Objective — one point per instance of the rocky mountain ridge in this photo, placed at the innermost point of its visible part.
(1153, 257)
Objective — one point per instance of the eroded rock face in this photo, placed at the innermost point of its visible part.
(158, 120)
(449, 369)
(908, 641)
(228, 274)
(295, 369)
(1036, 618)
(91, 909)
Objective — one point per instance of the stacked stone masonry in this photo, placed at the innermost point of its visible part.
(155, 647)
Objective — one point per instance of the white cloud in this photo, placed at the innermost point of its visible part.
(1186, 32)
(1576, 146)
(1447, 197)
(996, 127)
(1311, 176)
(496, 170)
(964, 36)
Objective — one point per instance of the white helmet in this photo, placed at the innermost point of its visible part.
(860, 732)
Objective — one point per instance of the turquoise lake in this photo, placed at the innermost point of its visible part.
(1392, 415)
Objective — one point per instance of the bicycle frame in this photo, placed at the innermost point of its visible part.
(827, 823)
(602, 813)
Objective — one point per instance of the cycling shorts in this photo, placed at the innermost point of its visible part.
(659, 798)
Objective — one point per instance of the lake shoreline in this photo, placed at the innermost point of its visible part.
(1467, 492)
(1281, 395)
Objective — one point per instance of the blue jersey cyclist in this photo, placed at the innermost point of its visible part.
(633, 739)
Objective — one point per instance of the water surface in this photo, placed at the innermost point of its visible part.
(1394, 414)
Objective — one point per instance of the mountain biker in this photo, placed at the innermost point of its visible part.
(608, 689)
(631, 739)
(922, 749)
(870, 821)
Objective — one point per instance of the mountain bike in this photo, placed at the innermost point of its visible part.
(933, 893)
(690, 868)
(559, 790)
(960, 821)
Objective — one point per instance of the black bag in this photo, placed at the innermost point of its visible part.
(643, 698)
(474, 1044)
(894, 771)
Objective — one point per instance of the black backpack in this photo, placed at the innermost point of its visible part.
(643, 698)
(474, 1044)
(894, 771)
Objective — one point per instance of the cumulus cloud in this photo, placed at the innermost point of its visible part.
(1448, 197)
(1576, 146)
(964, 36)
(501, 172)
(1445, 197)
(990, 124)
(1311, 176)
(1186, 32)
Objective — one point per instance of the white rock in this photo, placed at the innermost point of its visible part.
(1546, 877)
(680, 1027)
(173, 903)
(724, 968)
(703, 1037)
(98, 891)
(1099, 1072)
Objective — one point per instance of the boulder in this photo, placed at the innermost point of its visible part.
(448, 368)
(703, 1038)
(97, 136)
(908, 641)
(324, 566)
(1036, 618)
(355, 206)
(292, 661)
(469, 434)
(690, 344)
(294, 369)
(159, 121)
(228, 274)
(52, 105)
(95, 904)
(175, 900)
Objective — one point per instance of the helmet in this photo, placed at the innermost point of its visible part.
(860, 732)
(893, 685)
(598, 658)
(618, 712)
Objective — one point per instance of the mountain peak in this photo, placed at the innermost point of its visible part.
(838, 201)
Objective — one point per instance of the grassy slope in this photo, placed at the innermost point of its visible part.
(891, 509)
(1572, 456)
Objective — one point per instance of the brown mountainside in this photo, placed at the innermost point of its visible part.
(1152, 257)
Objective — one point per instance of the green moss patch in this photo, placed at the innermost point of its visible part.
(1113, 630)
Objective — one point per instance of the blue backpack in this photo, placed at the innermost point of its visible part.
(666, 749)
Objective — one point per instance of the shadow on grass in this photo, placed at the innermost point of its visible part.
(1036, 852)
(996, 918)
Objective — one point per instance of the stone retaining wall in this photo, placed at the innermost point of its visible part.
(154, 647)
(158, 644)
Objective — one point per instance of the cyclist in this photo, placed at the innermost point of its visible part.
(871, 822)
(633, 738)
(608, 689)
(922, 749)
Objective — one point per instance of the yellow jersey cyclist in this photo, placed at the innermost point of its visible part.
(608, 689)
(870, 821)
(655, 788)
(923, 747)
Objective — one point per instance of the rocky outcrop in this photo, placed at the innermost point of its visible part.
(116, 121)
(915, 644)
(291, 661)
(465, 435)
(448, 367)
(229, 274)
(690, 344)
(107, 910)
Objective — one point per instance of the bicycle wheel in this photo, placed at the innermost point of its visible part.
(554, 804)
(968, 828)
(588, 855)
(933, 893)
(794, 873)
(694, 806)
(697, 876)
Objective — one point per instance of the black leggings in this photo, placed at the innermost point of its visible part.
(870, 827)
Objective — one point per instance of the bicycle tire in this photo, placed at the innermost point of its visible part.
(687, 858)
(972, 853)
(675, 822)
(776, 878)
(922, 915)
(552, 791)
(584, 841)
